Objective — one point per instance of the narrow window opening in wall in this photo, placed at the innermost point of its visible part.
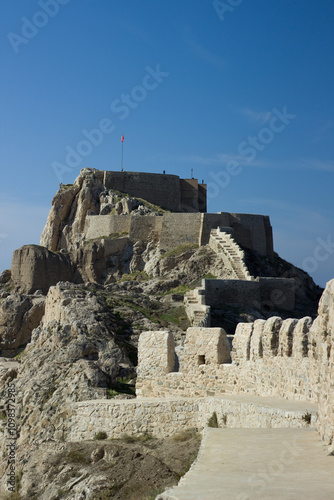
(328, 351)
(201, 360)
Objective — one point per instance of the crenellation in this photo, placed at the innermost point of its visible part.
(286, 337)
(270, 336)
(256, 351)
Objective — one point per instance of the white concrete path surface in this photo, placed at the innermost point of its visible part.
(258, 464)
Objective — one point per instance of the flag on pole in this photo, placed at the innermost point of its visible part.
(122, 138)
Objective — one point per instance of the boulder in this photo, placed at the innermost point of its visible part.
(36, 268)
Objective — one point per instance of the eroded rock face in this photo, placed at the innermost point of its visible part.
(73, 356)
(19, 315)
(36, 268)
(70, 206)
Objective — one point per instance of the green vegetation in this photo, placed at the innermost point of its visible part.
(183, 289)
(111, 236)
(101, 435)
(213, 421)
(176, 315)
(140, 438)
(20, 354)
(307, 417)
(136, 276)
(185, 435)
(174, 252)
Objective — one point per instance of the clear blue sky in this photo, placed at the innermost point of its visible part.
(239, 91)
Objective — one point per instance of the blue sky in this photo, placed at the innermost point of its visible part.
(239, 91)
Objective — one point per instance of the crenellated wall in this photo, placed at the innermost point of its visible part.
(287, 358)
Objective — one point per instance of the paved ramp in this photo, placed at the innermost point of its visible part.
(258, 464)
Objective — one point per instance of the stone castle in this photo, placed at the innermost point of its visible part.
(275, 372)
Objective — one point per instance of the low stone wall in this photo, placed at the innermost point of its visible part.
(159, 418)
(164, 418)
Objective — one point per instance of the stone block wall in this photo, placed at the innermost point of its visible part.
(165, 418)
(168, 191)
(97, 226)
(173, 229)
(262, 293)
(179, 229)
(160, 189)
(287, 358)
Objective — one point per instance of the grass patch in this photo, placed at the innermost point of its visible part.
(178, 316)
(185, 435)
(307, 417)
(100, 436)
(136, 276)
(213, 421)
(174, 252)
(139, 438)
(20, 354)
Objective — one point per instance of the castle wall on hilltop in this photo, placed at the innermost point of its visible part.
(173, 229)
(167, 191)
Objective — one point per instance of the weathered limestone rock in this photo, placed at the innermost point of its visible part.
(70, 206)
(19, 315)
(36, 268)
(73, 356)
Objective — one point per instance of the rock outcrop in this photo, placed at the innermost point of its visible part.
(37, 268)
(19, 315)
(73, 355)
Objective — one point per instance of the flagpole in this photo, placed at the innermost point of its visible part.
(122, 139)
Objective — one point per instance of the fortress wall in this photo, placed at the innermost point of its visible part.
(161, 189)
(277, 293)
(178, 229)
(97, 226)
(266, 293)
(189, 195)
(145, 228)
(211, 221)
(253, 231)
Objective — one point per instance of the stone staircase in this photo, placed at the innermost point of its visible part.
(223, 243)
(198, 312)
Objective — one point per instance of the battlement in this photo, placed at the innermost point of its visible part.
(166, 190)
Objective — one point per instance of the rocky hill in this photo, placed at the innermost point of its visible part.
(71, 312)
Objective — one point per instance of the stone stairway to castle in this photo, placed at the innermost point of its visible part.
(197, 311)
(223, 243)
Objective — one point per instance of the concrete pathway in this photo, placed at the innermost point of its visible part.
(258, 464)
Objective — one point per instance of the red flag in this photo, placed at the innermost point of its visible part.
(122, 138)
